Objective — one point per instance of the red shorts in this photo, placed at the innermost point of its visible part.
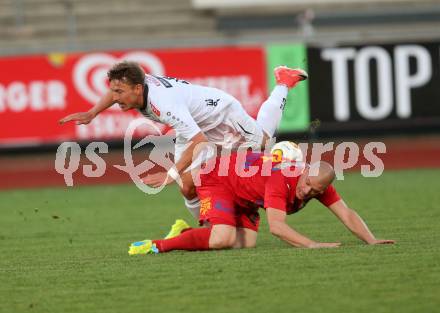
(218, 206)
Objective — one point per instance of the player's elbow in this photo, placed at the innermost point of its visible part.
(188, 191)
(275, 229)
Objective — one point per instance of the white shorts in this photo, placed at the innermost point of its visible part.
(237, 129)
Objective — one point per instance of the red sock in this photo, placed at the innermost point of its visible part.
(191, 240)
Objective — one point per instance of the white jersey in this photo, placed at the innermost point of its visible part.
(190, 109)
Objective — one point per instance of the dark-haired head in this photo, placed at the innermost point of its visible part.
(128, 72)
(127, 85)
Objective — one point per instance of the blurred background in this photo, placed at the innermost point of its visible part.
(374, 72)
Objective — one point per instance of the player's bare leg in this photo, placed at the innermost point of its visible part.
(218, 236)
(222, 236)
(246, 238)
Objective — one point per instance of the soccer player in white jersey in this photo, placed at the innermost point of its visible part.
(198, 114)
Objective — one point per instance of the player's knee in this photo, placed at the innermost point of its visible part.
(221, 243)
(249, 244)
(218, 241)
(242, 243)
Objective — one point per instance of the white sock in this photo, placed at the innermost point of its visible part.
(271, 110)
(193, 207)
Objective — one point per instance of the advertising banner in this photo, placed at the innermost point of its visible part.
(350, 88)
(36, 91)
(296, 111)
(368, 87)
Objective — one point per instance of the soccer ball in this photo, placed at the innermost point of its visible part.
(287, 150)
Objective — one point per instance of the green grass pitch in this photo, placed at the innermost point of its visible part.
(65, 250)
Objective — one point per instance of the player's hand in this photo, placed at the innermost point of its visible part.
(79, 118)
(317, 245)
(157, 179)
(382, 242)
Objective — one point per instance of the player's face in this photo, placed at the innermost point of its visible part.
(126, 95)
(308, 186)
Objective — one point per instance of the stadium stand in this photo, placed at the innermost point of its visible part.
(44, 24)
(28, 26)
(320, 20)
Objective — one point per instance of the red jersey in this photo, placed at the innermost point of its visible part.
(255, 181)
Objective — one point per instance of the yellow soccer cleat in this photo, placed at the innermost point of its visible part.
(177, 228)
(143, 247)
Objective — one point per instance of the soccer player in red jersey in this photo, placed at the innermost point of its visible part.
(232, 193)
(198, 114)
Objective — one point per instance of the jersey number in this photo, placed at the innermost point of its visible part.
(212, 102)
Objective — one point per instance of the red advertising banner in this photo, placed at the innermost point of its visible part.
(36, 91)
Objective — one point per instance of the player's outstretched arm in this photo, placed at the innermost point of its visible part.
(196, 145)
(86, 117)
(355, 223)
(278, 227)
